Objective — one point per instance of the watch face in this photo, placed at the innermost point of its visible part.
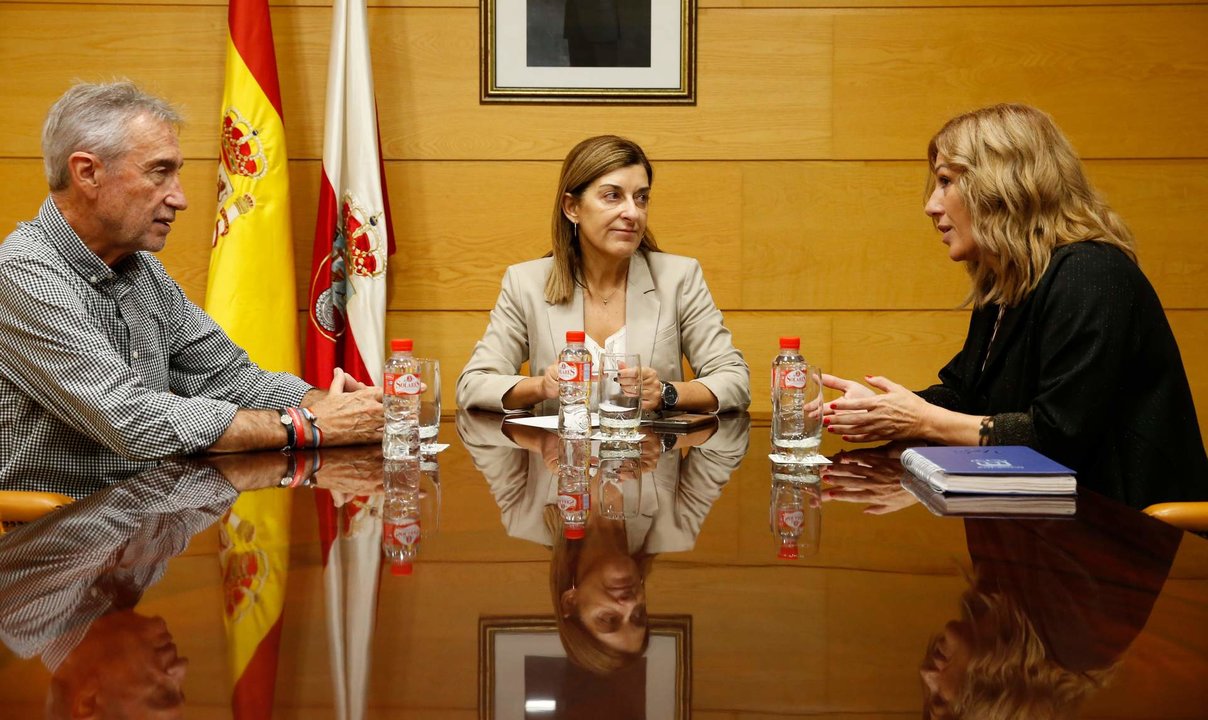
(670, 395)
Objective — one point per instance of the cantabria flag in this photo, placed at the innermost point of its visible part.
(353, 235)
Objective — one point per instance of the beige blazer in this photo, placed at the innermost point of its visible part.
(669, 315)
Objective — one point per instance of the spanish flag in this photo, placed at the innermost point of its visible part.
(251, 295)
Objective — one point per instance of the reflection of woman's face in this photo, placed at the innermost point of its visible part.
(944, 666)
(610, 602)
(611, 212)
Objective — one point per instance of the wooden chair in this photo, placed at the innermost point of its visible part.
(18, 507)
(1191, 516)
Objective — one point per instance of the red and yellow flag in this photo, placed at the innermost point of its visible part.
(251, 295)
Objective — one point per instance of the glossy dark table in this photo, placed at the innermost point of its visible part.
(1104, 613)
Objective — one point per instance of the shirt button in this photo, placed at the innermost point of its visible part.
(135, 354)
(93, 279)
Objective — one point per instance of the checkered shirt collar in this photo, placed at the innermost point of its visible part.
(64, 239)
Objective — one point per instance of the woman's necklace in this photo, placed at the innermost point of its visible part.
(1002, 310)
(603, 299)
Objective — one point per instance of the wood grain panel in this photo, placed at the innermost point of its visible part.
(1123, 82)
(770, 97)
(842, 235)
(751, 4)
(780, 235)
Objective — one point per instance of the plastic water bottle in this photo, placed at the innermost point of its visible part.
(574, 387)
(400, 400)
(795, 512)
(574, 493)
(401, 528)
(789, 437)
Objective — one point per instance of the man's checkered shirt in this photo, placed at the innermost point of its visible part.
(102, 368)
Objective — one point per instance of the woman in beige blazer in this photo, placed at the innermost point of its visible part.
(606, 276)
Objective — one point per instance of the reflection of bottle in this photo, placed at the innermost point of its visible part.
(574, 496)
(574, 387)
(401, 527)
(796, 509)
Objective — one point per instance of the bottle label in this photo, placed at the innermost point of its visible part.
(792, 519)
(574, 371)
(793, 378)
(574, 502)
(404, 384)
(406, 533)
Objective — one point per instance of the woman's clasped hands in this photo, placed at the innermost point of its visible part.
(864, 415)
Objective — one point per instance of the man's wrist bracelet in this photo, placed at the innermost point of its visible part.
(291, 433)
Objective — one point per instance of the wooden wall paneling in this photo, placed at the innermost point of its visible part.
(909, 348)
(765, 99)
(757, 335)
(834, 235)
(754, 4)
(1165, 203)
(1122, 82)
(110, 41)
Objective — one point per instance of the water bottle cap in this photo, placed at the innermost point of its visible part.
(572, 532)
(788, 552)
(575, 336)
(400, 345)
(401, 568)
(789, 341)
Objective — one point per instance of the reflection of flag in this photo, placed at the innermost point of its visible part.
(346, 328)
(251, 295)
(353, 235)
(352, 559)
(255, 562)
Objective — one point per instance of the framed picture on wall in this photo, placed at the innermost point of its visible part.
(589, 51)
(523, 671)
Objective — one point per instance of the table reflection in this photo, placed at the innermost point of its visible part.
(598, 572)
(337, 585)
(1052, 606)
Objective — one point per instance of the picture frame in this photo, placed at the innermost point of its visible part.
(522, 666)
(588, 51)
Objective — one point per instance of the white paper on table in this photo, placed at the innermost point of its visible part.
(548, 422)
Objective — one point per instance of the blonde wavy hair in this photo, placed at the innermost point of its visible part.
(1027, 194)
(584, 164)
(1010, 673)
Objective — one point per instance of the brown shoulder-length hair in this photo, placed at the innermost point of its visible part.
(1027, 194)
(582, 648)
(583, 165)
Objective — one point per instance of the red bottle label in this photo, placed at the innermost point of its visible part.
(574, 371)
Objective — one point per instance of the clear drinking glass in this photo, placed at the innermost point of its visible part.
(620, 401)
(620, 479)
(429, 402)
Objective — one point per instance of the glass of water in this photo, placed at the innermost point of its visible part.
(620, 395)
(620, 479)
(429, 403)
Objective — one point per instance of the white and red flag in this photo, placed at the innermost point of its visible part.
(346, 329)
(353, 236)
